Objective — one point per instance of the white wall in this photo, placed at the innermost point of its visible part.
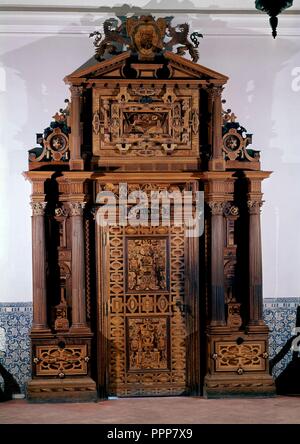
(38, 49)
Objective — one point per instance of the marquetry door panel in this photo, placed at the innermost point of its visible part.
(146, 331)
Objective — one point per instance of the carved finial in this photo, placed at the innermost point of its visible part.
(228, 116)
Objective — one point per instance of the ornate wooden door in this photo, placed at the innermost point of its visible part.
(145, 320)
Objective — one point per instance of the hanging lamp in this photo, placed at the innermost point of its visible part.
(273, 8)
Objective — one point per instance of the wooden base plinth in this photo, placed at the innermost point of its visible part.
(254, 385)
(217, 165)
(81, 389)
(77, 164)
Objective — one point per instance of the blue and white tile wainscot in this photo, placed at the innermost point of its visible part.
(15, 324)
(16, 318)
(280, 316)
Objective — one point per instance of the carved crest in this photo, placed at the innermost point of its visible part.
(146, 35)
(236, 139)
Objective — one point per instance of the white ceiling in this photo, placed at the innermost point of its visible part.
(170, 5)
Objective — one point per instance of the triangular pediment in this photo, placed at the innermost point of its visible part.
(184, 67)
(179, 68)
(94, 69)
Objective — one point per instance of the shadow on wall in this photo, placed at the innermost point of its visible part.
(288, 382)
(10, 385)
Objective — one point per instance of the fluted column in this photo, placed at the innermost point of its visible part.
(39, 322)
(217, 162)
(217, 264)
(78, 267)
(255, 264)
(76, 161)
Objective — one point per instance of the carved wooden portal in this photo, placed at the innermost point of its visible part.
(146, 310)
(144, 307)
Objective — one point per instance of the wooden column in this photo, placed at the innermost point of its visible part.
(39, 291)
(76, 161)
(217, 162)
(255, 264)
(217, 264)
(39, 288)
(254, 203)
(78, 268)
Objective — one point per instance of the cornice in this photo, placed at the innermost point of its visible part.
(80, 22)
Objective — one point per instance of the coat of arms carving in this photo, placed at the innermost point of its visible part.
(147, 35)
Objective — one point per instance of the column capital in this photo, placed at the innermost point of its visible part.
(76, 208)
(215, 91)
(216, 207)
(254, 206)
(38, 208)
(76, 90)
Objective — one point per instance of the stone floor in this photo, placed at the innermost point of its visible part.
(177, 410)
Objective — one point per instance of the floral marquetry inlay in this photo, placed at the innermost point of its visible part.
(147, 264)
(148, 343)
(246, 356)
(131, 117)
(52, 360)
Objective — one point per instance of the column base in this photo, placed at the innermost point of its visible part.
(81, 389)
(77, 164)
(257, 327)
(37, 332)
(80, 330)
(217, 165)
(249, 385)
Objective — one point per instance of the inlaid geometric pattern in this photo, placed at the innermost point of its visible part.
(146, 265)
(147, 343)
(52, 360)
(247, 356)
(147, 333)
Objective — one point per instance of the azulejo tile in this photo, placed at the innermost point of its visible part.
(15, 323)
(16, 318)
